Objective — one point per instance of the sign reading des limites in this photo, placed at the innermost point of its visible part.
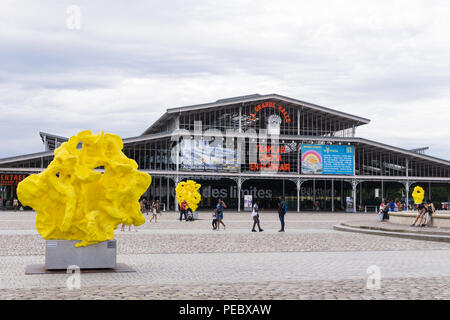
(11, 179)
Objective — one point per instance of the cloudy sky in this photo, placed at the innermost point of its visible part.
(127, 61)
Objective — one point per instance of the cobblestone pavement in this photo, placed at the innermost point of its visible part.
(401, 288)
(188, 260)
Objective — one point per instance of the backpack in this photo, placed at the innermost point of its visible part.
(282, 208)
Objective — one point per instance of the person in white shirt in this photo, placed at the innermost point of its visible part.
(255, 214)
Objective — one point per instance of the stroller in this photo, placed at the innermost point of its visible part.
(189, 215)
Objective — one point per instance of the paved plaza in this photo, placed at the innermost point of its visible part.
(188, 260)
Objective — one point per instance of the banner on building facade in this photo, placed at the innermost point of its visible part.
(205, 155)
(11, 179)
(248, 202)
(327, 159)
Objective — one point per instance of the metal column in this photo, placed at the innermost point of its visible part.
(360, 194)
(332, 195)
(175, 208)
(168, 195)
(407, 193)
(160, 190)
(429, 191)
(299, 185)
(239, 185)
(448, 187)
(314, 190)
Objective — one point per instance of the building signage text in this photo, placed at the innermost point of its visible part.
(273, 105)
(270, 159)
(11, 179)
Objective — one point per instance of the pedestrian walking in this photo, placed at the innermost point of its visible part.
(143, 205)
(255, 215)
(214, 219)
(158, 207)
(282, 209)
(154, 211)
(220, 206)
(129, 228)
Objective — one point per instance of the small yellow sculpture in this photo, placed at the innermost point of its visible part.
(75, 202)
(189, 191)
(418, 195)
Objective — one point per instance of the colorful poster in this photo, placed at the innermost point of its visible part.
(327, 159)
(312, 162)
(248, 202)
(203, 155)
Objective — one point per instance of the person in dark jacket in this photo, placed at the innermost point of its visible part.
(282, 209)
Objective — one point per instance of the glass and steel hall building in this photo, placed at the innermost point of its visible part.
(262, 147)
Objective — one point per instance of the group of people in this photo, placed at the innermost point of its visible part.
(424, 211)
(391, 206)
(4, 203)
(186, 211)
(218, 215)
(424, 214)
(154, 208)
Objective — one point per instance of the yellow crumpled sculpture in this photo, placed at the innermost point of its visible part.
(189, 191)
(75, 202)
(418, 195)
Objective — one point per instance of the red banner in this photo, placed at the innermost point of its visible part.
(270, 159)
(11, 179)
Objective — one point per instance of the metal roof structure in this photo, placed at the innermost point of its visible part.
(51, 141)
(253, 98)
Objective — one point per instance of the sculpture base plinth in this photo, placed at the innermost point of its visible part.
(60, 254)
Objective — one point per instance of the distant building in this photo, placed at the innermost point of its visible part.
(263, 146)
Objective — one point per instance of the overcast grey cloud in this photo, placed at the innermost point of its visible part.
(130, 60)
